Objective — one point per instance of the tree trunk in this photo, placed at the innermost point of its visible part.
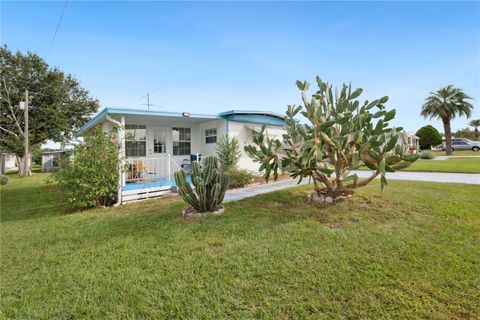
(476, 133)
(24, 166)
(448, 136)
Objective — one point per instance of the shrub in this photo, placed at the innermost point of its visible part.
(228, 151)
(429, 137)
(427, 155)
(341, 135)
(210, 185)
(239, 178)
(4, 179)
(90, 175)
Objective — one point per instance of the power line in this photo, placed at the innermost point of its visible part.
(58, 26)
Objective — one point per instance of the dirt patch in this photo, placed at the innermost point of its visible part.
(190, 213)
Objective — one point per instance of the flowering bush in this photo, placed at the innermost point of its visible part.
(90, 174)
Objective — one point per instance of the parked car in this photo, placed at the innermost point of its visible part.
(463, 144)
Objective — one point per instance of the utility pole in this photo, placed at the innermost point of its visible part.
(148, 101)
(26, 153)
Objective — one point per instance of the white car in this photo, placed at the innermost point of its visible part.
(463, 144)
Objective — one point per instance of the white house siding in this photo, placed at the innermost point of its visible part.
(8, 162)
(243, 132)
(210, 149)
(50, 160)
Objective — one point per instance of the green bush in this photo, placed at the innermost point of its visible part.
(90, 175)
(427, 155)
(4, 179)
(228, 151)
(429, 137)
(238, 177)
(210, 185)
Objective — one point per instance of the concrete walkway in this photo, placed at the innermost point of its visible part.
(468, 178)
(443, 158)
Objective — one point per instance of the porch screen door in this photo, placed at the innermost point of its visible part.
(159, 141)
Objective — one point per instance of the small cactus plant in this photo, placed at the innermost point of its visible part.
(210, 185)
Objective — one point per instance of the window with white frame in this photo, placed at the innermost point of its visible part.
(181, 140)
(135, 140)
(211, 135)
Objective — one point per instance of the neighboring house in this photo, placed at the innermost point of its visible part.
(50, 160)
(8, 162)
(155, 144)
(410, 139)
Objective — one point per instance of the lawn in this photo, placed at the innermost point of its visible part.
(410, 252)
(456, 165)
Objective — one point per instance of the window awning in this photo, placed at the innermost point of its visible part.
(271, 132)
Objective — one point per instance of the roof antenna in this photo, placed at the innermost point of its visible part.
(148, 97)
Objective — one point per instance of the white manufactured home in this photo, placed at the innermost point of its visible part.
(155, 144)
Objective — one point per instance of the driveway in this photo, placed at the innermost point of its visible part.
(468, 178)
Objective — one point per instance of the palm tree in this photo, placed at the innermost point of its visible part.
(475, 124)
(445, 104)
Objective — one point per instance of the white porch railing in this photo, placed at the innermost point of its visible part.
(145, 169)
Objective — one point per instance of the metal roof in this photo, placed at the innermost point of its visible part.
(252, 112)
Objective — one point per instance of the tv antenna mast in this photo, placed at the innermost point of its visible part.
(148, 104)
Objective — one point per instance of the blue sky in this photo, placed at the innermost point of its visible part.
(211, 56)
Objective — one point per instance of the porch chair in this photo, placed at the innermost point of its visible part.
(141, 172)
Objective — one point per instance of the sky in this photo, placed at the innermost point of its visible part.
(209, 57)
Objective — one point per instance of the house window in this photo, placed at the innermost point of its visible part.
(181, 141)
(135, 141)
(211, 135)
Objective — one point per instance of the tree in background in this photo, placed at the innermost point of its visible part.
(58, 104)
(340, 135)
(228, 152)
(429, 137)
(475, 124)
(445, 104)
(466, 133)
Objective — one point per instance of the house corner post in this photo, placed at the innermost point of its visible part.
(169, 169)
(121, 134)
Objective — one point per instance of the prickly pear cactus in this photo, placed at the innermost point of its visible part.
(210, 185)
(340, 134)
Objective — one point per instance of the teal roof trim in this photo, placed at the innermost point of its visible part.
(255, 117)
(102, 114)
(96, 119)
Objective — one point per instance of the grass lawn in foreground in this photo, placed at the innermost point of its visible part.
(410, 252)
(456, 165)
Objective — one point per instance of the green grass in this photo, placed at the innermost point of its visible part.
(411, 252)
(453, 165)
(456, 165)
(458, 153)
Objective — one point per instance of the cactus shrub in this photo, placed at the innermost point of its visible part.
(340, 134)
(209, 182)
